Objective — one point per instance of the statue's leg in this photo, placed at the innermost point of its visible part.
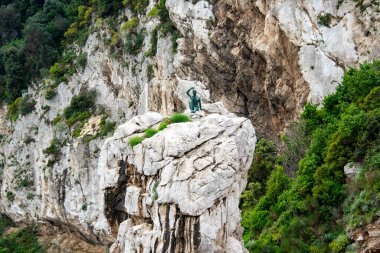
(191, 107)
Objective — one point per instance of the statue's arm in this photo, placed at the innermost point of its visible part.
(188, 92)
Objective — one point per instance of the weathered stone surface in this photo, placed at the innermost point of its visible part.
(181, 187)
(265, 59)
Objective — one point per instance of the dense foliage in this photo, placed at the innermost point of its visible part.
(309, 213)
(31, 35)
(23, 240)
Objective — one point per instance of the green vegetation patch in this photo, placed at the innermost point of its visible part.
(150, 132)
(130, 25)
(24, 240)
(325, 20)
(135, 140)
(178, 118)
(311, 211)
(5, 222)
(166, 27)
(21, 106)
(81, 107)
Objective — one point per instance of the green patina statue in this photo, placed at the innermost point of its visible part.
(195, 101)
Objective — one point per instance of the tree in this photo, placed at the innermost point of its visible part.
(10, 20)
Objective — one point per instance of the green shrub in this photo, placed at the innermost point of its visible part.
(137, 6)
(175, 36)
(27, 105)
(77, 130)
(130, 25)
(106, 127)
(153, 43)
(339, 244)
(56, 120)
(154, 12)
(78, 117)
(150, 132)
(325, 20)
(134, 42)
(150, 71)
(10, 196)
(5, 222)
(308, 213)
(56, 70)
(82, 60)
(50, 93)
(80, 108)
(154, 191)
(23, 240)
(25, 183)
(53, 149)
(178, 118)
(13, 109)
(135, 140)
(22, 105)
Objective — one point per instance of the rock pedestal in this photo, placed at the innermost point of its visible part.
(179, 190)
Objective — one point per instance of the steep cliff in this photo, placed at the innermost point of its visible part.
(263, 59)
(266, 59)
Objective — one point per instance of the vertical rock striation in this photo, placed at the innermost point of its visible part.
(177, 191)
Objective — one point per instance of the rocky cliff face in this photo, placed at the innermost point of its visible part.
(263, 59)
(179, 190)
(266, 59)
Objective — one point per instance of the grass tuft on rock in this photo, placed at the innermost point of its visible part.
(150, 132)
(163, 125)
(178, 118)
(135, 141)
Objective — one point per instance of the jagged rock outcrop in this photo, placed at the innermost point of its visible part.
(265, 59)
(177, 191)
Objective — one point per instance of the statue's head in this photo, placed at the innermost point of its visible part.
(194, 92)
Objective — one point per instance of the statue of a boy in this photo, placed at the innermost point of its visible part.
(195, 101)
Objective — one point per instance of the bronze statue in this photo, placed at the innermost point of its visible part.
(195, 101)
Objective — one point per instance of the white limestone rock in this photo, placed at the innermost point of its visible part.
(181, 187)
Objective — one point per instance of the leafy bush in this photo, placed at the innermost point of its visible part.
(22, 105)
(150, 71)
(150, 132)
(339, 244)
(178, 118)
(263, 164)
(53, 149)
(304, 214)
(82, 60)
(10, 196)
(130, 25)
(137, 6)
(81, 107)
(135, 140)
(165, 27)
(134, 42)
(153, 43)
(50, 93)
(23, 240)
(325, 20)
(5, 222)
(106, 127)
